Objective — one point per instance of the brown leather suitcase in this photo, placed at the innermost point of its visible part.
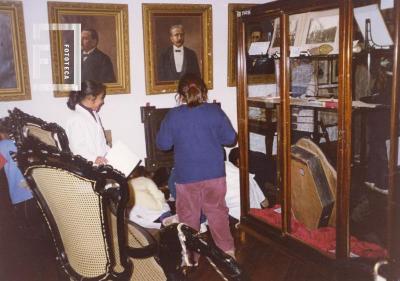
(313, 186)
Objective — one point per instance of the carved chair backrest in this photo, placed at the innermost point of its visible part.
(24, 126)
(75, 199)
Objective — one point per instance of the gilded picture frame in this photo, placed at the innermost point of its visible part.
(194, 21)
(233, 8)
(110, 24)
(256, 75)
(14, 70)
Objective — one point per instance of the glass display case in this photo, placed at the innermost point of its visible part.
(318, 99)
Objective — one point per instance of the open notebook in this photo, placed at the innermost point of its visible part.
(122, 158)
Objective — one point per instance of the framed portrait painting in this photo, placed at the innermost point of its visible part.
(260, 67)
(104, 44)
(177, 40)
(14, 72)
(258, 34)
(233, 8)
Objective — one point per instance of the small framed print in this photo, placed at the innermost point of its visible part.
(321, 28)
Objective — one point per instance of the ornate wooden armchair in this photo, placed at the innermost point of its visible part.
(24, 126)
(84, 207)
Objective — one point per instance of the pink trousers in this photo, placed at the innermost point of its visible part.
(208, 196)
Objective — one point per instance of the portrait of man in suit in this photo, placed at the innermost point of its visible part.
(176, 59)
(95, 64)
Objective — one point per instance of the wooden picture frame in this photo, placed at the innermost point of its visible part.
(14, 71)
(314, 37)
(110, 21)
(160, 68)
(233, 9)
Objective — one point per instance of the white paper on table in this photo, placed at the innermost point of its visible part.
(259, 48)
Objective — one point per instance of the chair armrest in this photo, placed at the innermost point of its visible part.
(141, 244)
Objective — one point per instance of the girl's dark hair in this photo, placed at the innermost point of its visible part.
(88, 88)
(192, 90)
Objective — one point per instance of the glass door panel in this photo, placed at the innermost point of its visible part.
(372, 85)
(312, 117)
(264, 195)
(314, 134)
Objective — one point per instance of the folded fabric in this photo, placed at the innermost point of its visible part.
(147, 217)
(323, 238)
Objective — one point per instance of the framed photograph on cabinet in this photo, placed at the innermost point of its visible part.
(233, 9)
(177, 40)
(296, 23)
(321, 30)
(14, 72)
(104, 44)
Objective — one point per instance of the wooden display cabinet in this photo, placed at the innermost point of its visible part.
(342, 185)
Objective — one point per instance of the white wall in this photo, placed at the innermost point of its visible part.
(121, 113)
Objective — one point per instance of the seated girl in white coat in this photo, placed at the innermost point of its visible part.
(84, 129)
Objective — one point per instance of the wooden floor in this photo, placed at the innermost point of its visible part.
(260, 262)
(25, 257)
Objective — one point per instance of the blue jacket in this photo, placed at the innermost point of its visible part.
(17, 187)
(197, 135)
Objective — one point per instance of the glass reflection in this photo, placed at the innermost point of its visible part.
(313, 115)
(372, 80)
(264, 192)
(260, 66)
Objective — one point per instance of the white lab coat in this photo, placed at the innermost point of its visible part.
(85, 134)
(232, 197)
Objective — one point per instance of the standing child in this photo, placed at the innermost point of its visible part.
(84, 129)
(197, 130)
